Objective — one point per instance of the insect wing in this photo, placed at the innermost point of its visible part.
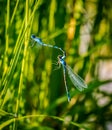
(77, 81)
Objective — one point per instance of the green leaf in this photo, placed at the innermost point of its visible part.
(6, 123)
(4, 113)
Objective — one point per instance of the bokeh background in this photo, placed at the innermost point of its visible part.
(32, 91)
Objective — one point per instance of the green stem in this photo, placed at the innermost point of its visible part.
(7, 39)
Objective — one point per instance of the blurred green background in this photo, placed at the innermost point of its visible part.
(32, 92)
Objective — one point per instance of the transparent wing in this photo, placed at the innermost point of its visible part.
(77, 81)
(35, 44)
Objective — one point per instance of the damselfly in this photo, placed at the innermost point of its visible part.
(40, 42)
(77, 81)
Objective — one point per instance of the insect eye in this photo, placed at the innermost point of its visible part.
(59, 56)
(33, 36)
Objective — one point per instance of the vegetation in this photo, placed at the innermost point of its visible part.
(32, 90)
